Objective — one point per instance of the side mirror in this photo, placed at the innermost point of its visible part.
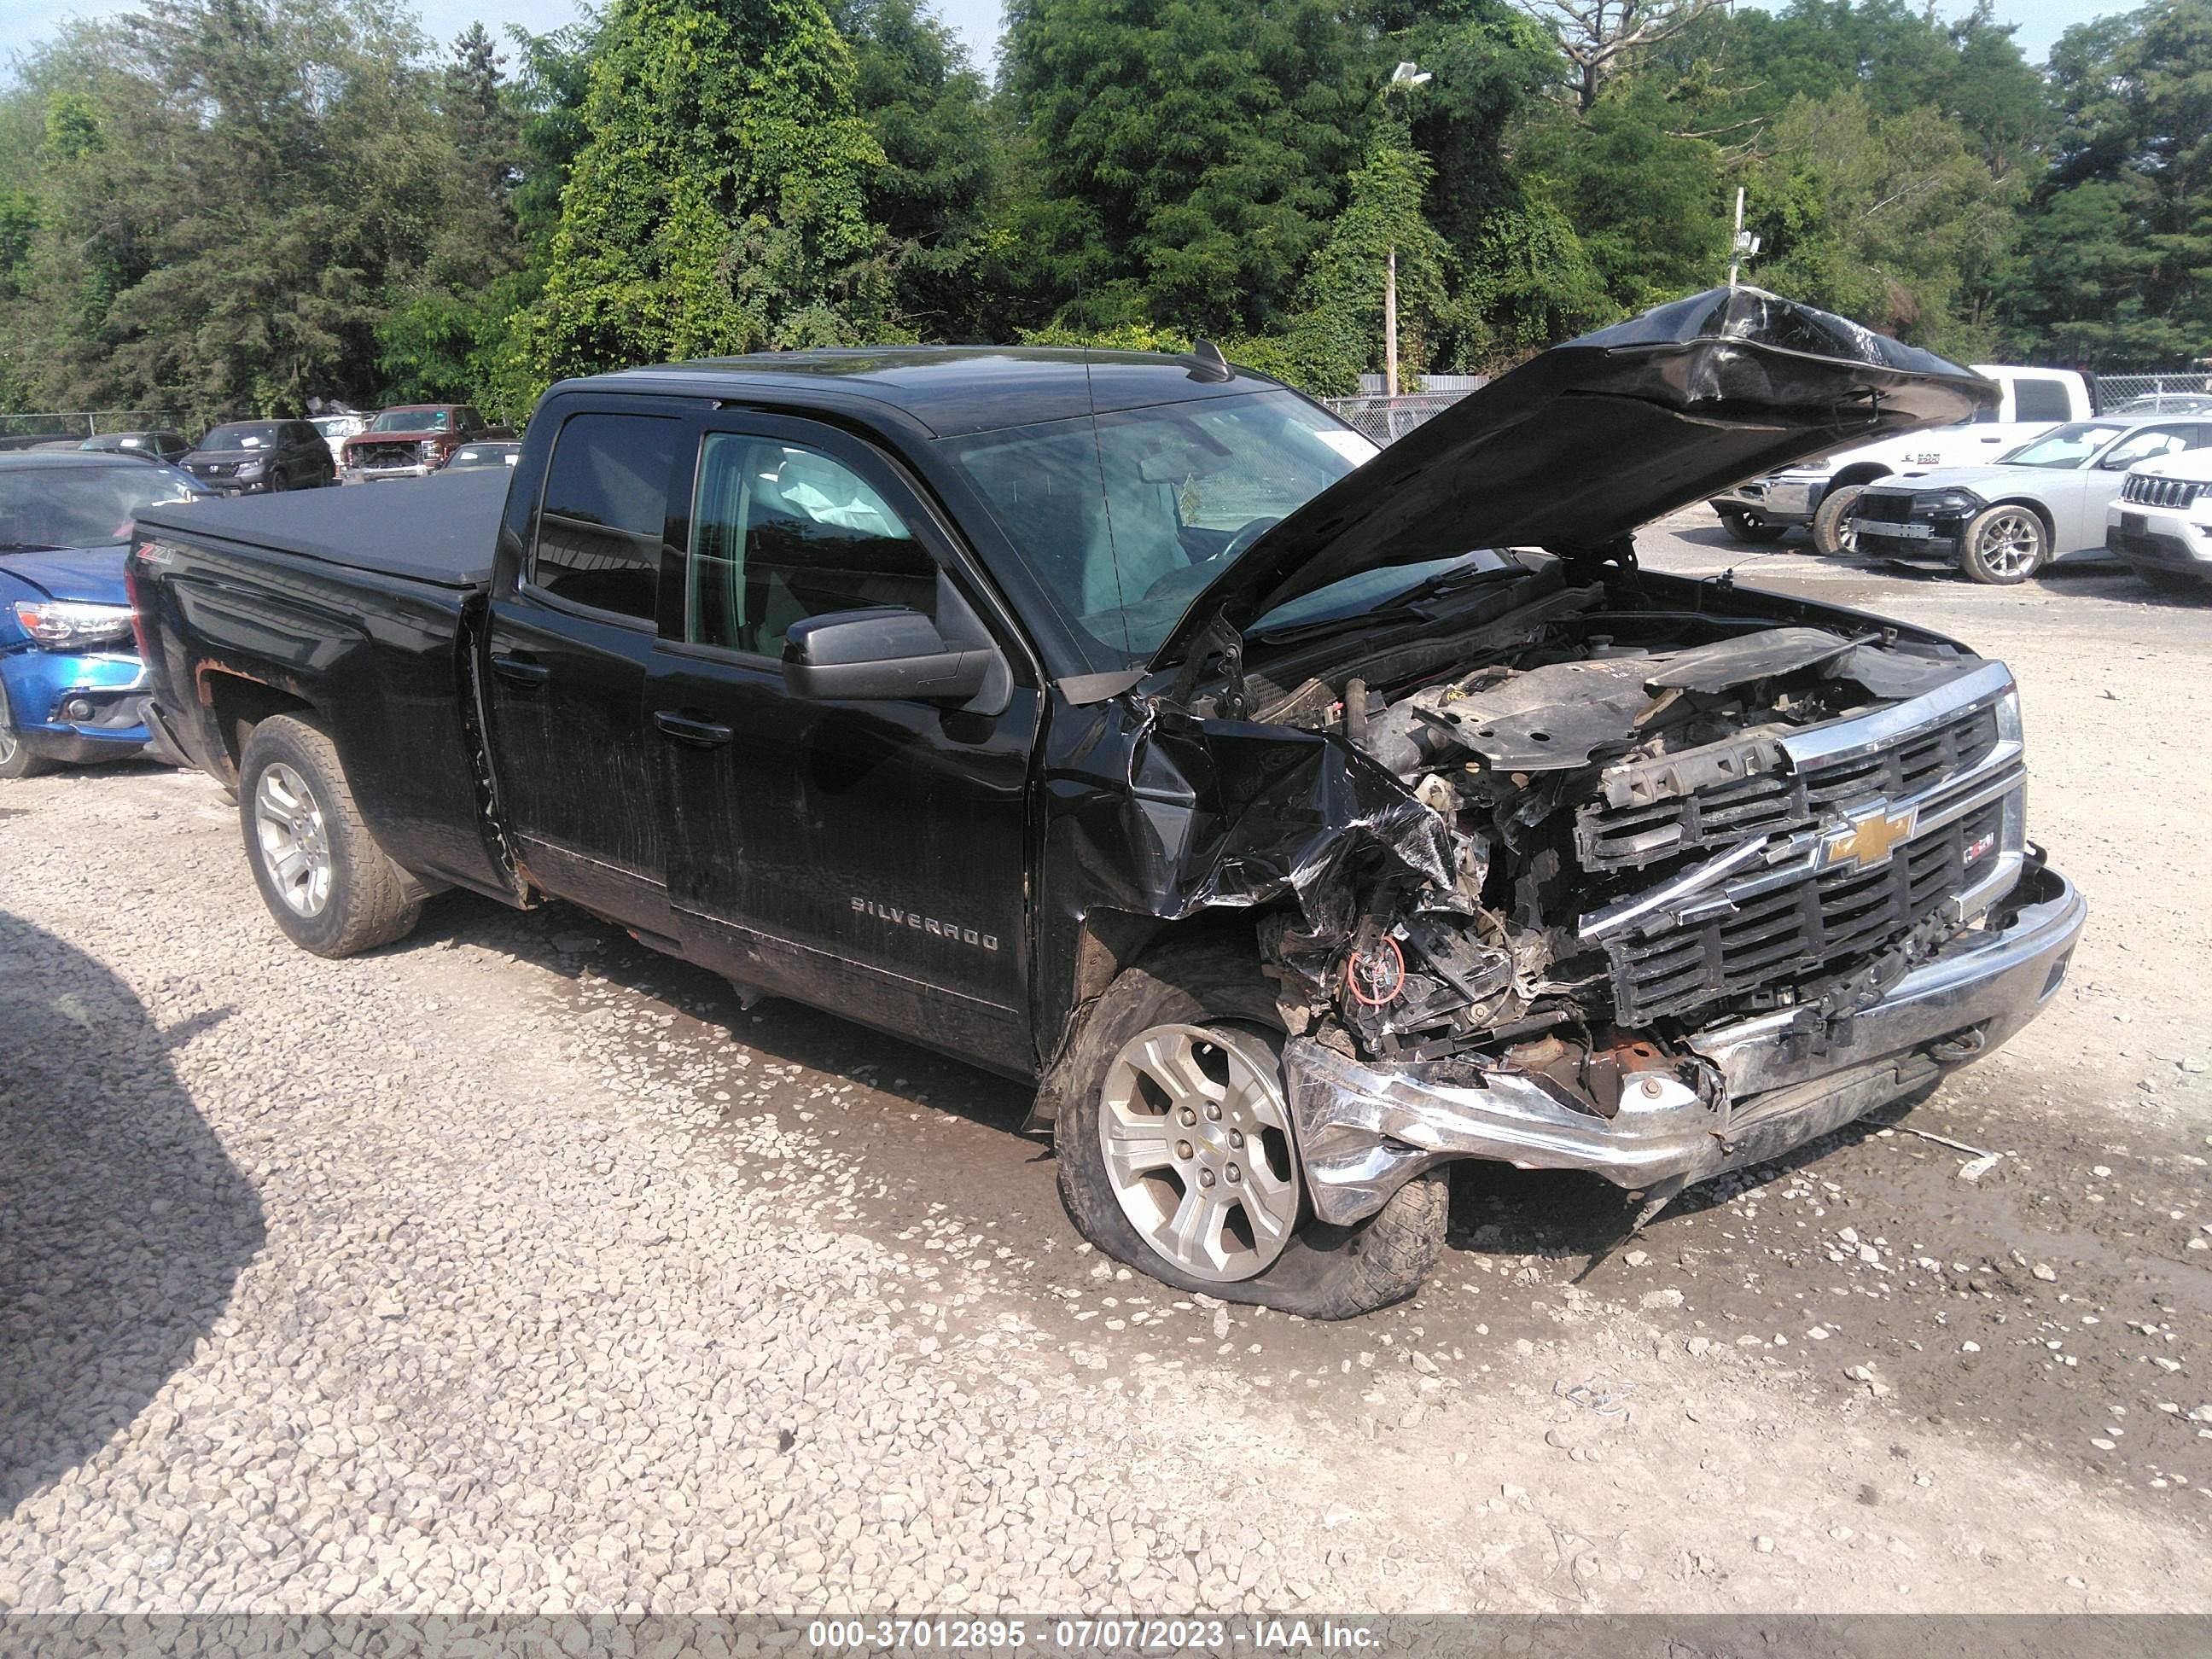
(882, 654)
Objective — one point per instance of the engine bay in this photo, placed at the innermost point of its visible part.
(1591, 753)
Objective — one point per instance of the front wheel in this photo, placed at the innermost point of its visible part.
(2002, 545)
(330, 886)
(1836, 521)
(17, 760)
(1744, 527)
(1178, 1155)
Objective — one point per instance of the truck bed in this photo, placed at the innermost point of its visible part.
(441, 531)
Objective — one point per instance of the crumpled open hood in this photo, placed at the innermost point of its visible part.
(1578, 446)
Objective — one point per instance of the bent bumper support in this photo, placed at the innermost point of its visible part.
(1363, 1131)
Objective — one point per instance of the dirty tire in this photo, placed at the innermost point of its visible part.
(1324, 1272)
(17, 760)
(371, 901)
(1742, 527)
(1834, 533)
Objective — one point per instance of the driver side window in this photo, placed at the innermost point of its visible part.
(780, 532)
(2151, 441)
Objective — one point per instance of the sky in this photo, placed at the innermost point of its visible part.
(24, 24)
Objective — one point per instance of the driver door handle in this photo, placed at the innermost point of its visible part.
(521, 670)
(690, 729)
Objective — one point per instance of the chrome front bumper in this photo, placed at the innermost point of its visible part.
(1363, 1131)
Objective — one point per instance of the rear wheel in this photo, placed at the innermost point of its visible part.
(17, 760)
(2003, 544)
(1178, 1155)
(1835, 521)
(1744, 527)
(330, 886)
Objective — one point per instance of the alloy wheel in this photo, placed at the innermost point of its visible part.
(2011, 543)
(288, 824)
(1197, 1144)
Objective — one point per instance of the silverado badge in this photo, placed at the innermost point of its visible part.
(1867, 838)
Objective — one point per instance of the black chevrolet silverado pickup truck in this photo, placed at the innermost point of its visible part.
(1129, 724)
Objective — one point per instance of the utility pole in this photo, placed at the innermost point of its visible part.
(1407, 75)
(1390, 326)
(1744, 245)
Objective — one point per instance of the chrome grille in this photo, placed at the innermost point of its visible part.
(1820, 923)
(1609, 837)
(2148, 491)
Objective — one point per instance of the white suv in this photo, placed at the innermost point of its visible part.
(2161, 524)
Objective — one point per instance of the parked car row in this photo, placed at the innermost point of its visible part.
(253, 457)
(2124, 485)
(71, 673)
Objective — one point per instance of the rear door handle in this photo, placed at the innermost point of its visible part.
(521, 670)
(687, 729)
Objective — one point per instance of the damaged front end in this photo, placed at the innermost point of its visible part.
(1641, 890)
(1605, 870)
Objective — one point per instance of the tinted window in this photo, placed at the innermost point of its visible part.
(780, 532)
(605, 512)
(2040, 400)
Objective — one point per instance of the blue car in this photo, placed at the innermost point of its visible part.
(71, 676)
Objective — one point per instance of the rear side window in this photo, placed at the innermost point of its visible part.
(599, 532)
(780, 532)
(2040, 400)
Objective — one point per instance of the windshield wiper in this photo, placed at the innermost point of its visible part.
(1442, 585)
(28, 547)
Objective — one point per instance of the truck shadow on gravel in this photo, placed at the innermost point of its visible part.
(124, 1224)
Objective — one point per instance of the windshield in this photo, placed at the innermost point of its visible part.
(1126, 517)
(412, 419)
(43, 507)
(248, 435)
(2067, 447)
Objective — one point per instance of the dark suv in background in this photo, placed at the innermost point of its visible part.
(246, 458)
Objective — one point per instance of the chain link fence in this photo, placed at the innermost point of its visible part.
(76, 425)
(2155, 394)
(1384, 419)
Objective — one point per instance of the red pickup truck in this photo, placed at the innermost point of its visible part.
(412, 440)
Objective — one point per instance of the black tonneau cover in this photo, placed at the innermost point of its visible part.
(439, 530)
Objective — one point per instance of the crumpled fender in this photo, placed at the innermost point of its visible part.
(1151, 812)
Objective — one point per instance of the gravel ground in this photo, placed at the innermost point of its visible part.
(515, 1269)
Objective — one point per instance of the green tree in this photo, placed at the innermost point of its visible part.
(444, 334)
(1180, 161)
(2116, 259)
(929, 112)
(1341, 332)
(1897, 222)
(225, 192)
(718, 204)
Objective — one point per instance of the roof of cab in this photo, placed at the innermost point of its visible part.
(952, 390)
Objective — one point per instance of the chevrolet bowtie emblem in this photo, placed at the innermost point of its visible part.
(1868, 838)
